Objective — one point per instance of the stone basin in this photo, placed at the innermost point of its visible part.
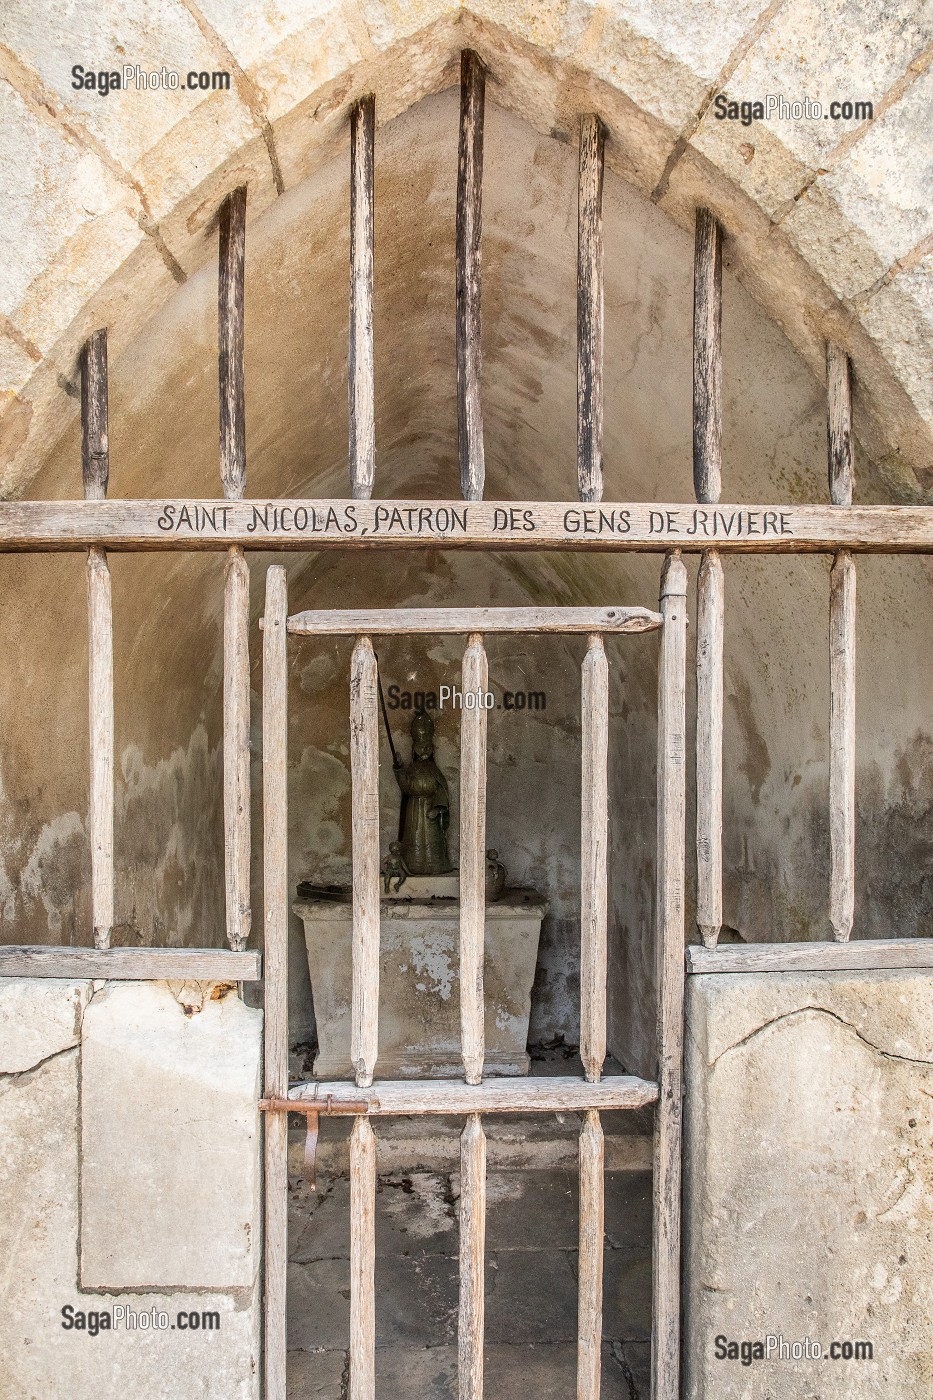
(419, 982)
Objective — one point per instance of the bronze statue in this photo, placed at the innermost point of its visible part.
(425, 804)
(394, 868)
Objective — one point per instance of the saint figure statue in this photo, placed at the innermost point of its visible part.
(425, 804)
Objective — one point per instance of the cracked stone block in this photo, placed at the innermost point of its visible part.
(39, 1017)
(39, 1359)
(170, 1190)
(809, 1181)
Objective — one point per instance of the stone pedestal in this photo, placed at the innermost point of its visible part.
(419, 983)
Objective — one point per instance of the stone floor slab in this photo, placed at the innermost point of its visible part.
(430, 1373)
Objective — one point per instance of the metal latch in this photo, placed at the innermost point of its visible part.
(312, 1109)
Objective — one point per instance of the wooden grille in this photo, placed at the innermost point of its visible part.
(233, 524)
(475, 1096)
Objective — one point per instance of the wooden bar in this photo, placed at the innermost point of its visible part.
(590, 310)
(592, 1229)
(95, 472)
(842, 625)
(362, 1260)
(594, 825)
(707, 358)
(862, 955)
(95, 439)
(405, 621)
(658, 526)
(839, 425)
(237, 803)
(709, 664)
(707, 481)
(275, 895)
(469, 252)
(665, 1333)
(842, 745)
(231, 327)
(100, 692)
(545, 1095)
(364, 770)
(361, 376)
(473, 861)
(471, 1321)
(131, 964)
(231, 298)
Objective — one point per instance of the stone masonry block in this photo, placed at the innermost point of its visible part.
(809, 1181)
(170, 1191)
(39, 1018)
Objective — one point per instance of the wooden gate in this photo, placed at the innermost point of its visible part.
(474, 1096)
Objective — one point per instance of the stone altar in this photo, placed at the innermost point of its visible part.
(419, 992)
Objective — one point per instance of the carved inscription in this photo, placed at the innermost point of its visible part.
(480, 520)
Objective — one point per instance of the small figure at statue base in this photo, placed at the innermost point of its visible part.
(394, 868)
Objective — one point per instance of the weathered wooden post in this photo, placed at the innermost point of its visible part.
(594, 832)
(469, 251)
(707, 482)
(275, 969)
(665, 1329)
(361, 376)
(237, 806)
(842, 654)
(590, 310)
(95, 471)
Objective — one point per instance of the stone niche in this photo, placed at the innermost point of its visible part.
(809, 1182)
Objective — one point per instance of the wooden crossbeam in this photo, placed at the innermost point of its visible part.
(131, 964)
(862, 955)
(510, 1095)
(346, 524)
(401, 621)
